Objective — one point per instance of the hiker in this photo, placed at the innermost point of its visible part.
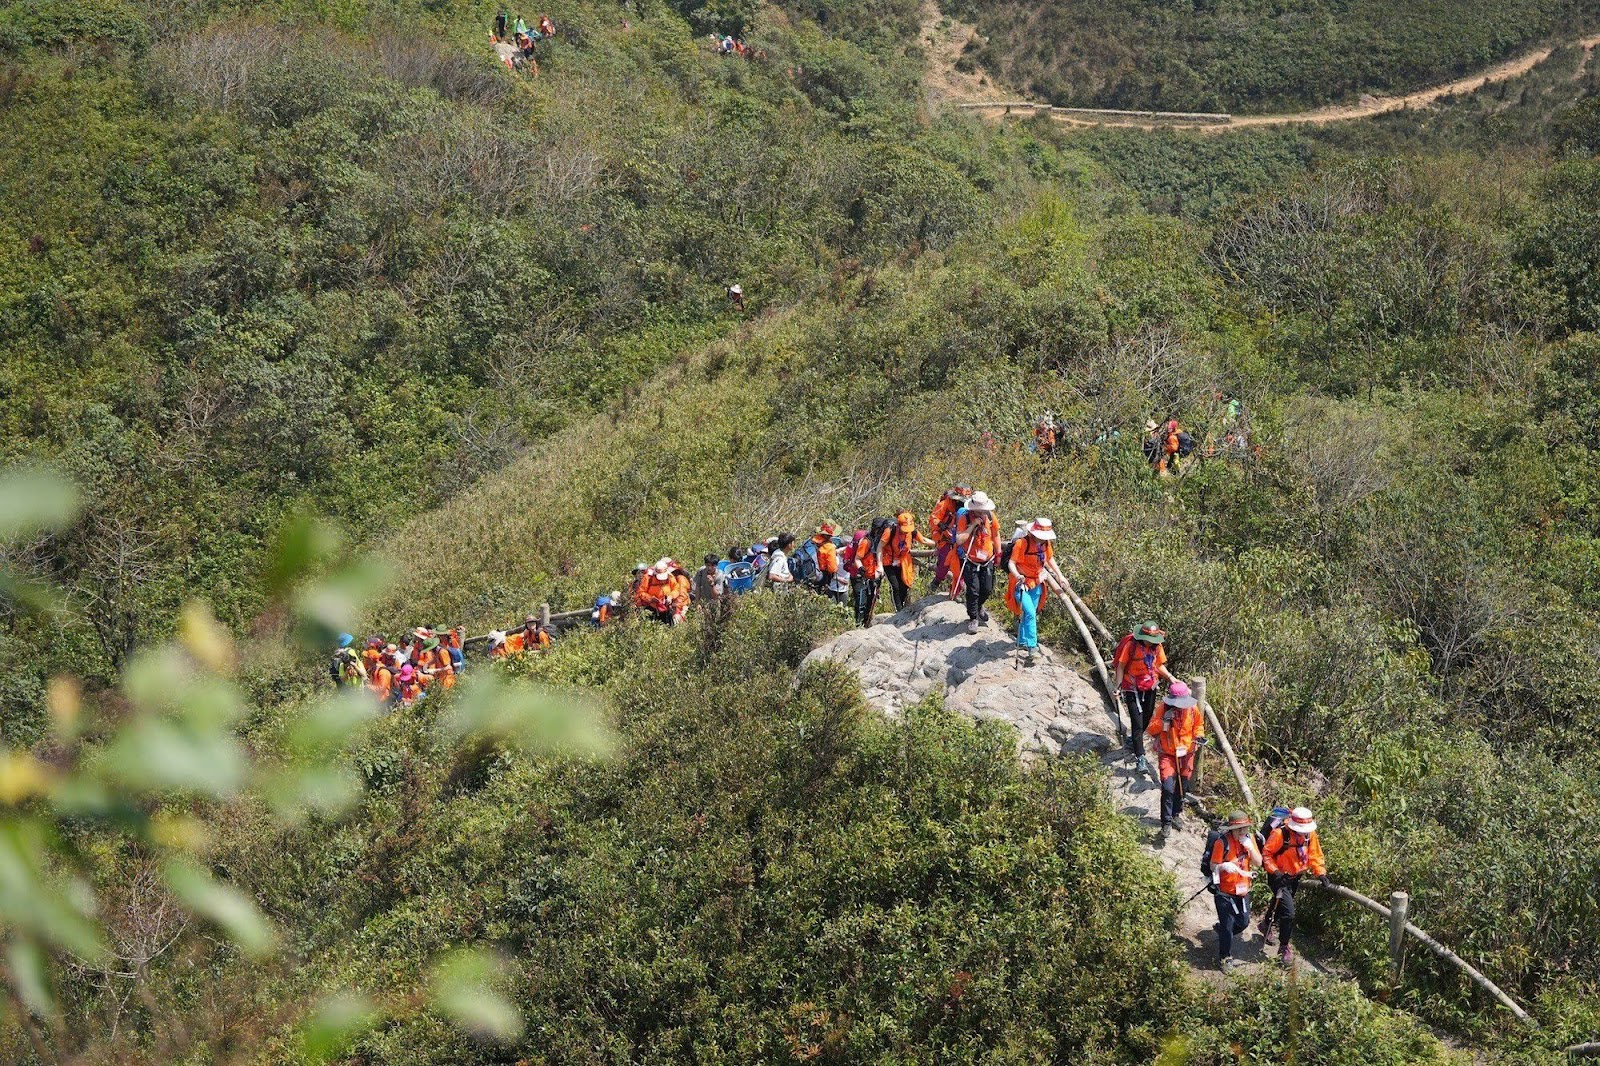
(679, 590)
(372, 657)
(604, 609)
(895, 553)
(1233, 858)
(497, 644)
(410, 685)
(777, 573)
(736, 295)
(547, 28)
(654, 592)
(1141, 663)
(500, 24)
(520, 27)
(815, 564)
(839, 584)
(1179, 728)
(346, 668)
(381, 680)
(1045, 437)
(534, 635)
(942, 527)
(710, 589)
(1032, 563)
(739, 571)
(1292, 851)
(868, 579)
(434, 663)
(976, 542)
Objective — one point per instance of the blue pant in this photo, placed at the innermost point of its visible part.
(1233, 918)
(1028, 624)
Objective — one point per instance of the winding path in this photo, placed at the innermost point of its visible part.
(946, 38)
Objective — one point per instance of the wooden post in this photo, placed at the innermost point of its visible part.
(1227, 753)
(1198, 780)
(1399, 907)
(1440, 950)
(1084, 608)
(1099, 662)
(544, 615)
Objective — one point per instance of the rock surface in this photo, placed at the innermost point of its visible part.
(1055, 709)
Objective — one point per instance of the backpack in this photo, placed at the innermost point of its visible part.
(850, 565)
(342, 668)
(880, 526)
(803, 565)
(1152, 448)
(1185, 445)
(1274, 820)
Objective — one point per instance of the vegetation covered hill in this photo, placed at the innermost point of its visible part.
(286, 265)
(1247, 55)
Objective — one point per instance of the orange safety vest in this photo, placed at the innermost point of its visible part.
(1187, 724)
(1290, 853)
(1230, 849)
(868, 563)
(983, 541)
(897, 552)
(827, 555)
(942, 521)
(381, 682)
(1030, 556)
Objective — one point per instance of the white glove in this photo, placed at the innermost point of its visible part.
(1229, 867)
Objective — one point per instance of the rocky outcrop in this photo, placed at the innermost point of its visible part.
(1055, 709)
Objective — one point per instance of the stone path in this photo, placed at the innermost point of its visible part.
(1055, 709)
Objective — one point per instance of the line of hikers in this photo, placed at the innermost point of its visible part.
(521, 38)
(1286, 847)
(1165, 444)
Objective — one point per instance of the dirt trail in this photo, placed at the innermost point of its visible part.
(968, 91)
(1054, 709)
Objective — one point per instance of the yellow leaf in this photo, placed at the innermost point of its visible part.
(204, 638)
(65, 700)
(21, 777)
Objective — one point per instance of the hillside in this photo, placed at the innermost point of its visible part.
(1245, 56)
(292, 263)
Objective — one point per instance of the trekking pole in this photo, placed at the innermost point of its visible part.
(1203, 888)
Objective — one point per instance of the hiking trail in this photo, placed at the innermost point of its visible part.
(926, 649)
(945, 39)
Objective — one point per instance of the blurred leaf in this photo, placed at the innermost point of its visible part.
(29, 901)
(525, 716)
(179, 832)
(222, 904)
(338, 1020)
(29, 976)
(154, 753)
(204, 638)
(332, 725)
(30, 596)
(164, 680)
(461, 989)
(326, 608)
(33, 500)
(327, 791)
(21, 777)
(303, 543)
(65, 700)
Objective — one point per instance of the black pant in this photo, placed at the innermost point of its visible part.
(1141, 705)
(1173, 789)
(898, 586)
(979, 579)
(864, 595)
(1283, 887)
(1233, 918)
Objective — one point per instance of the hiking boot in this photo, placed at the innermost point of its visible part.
(1177, 823)
(983, 616)
(1269, 932)
(972, 626)
(1227, 965)
(1286, 957)
(1142, 765)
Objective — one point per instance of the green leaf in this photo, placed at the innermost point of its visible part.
(462, 990)
(303, 543)
(327, 791)
(221, 904)
(525, 716)
(54, 911)
(331, 725)
(33, 500)
(338, 1020)
(324, 609)
(26, 961)
(154, 754)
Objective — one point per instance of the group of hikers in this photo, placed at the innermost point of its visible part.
(521, 38)
(964, 534)
(729, 45)
(1166, 443)
(1286, 848)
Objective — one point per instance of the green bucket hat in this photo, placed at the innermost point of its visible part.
(429, 645)
(1150, 633)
